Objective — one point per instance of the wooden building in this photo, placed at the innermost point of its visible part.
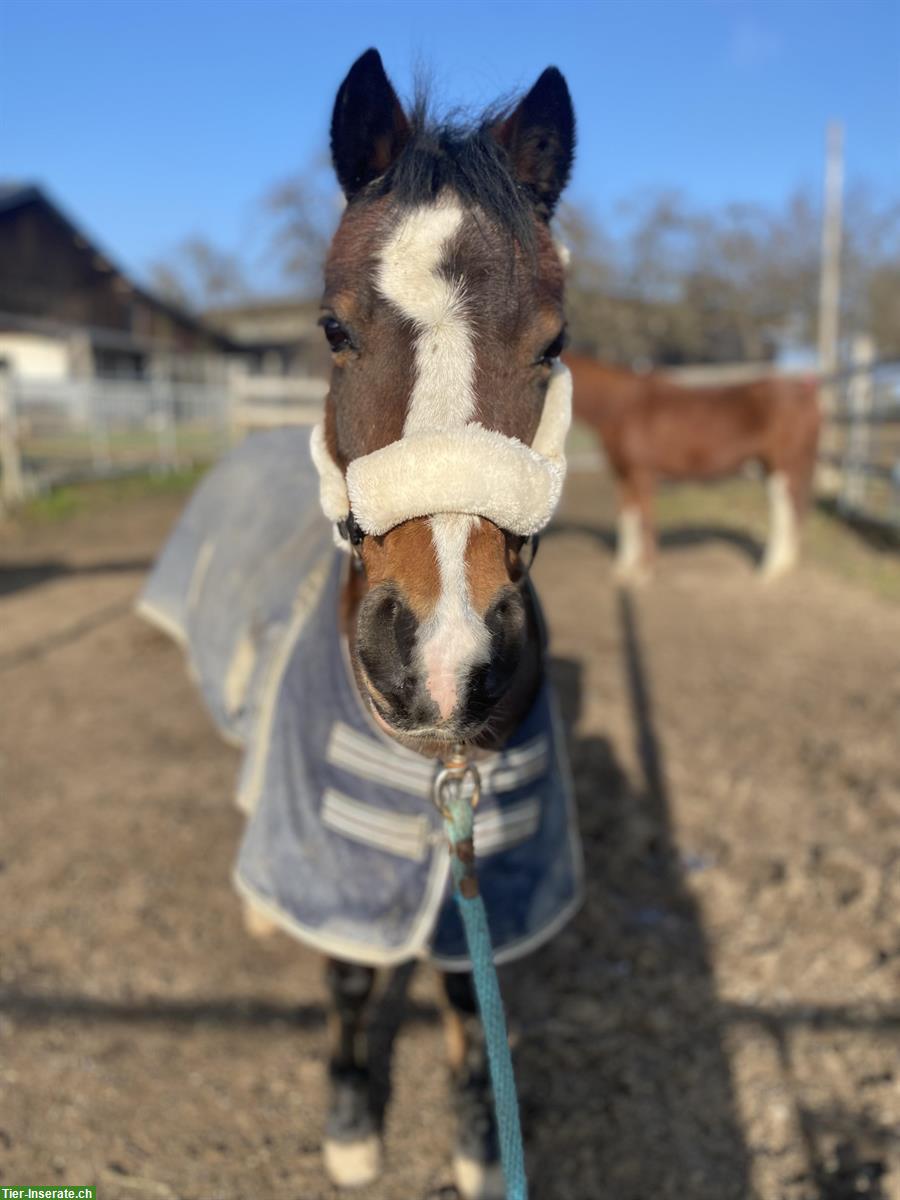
(275, 337)
(68, 312)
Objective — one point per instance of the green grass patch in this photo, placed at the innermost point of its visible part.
(61, 503)
(127, 445)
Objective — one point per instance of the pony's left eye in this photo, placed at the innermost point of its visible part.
(554, 350)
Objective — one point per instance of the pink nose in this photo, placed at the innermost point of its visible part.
(442, 689)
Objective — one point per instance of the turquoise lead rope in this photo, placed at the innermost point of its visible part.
(456, 803)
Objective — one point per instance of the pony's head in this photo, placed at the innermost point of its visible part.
(441, 449)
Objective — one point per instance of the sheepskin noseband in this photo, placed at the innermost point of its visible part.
(469, 469)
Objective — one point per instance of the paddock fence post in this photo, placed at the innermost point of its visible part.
(13, 489)
(860, 396)
(97, 412)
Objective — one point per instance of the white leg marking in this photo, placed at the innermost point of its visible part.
(476, 1181)
(408, 276)
(782, 546)
(353, 1164)
(630, 542)
(454, 639)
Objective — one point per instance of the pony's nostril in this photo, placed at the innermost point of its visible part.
(505, 621)
(496, 681)
(386, 633)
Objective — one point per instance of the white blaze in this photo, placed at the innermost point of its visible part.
(409, 276)
(454, 639)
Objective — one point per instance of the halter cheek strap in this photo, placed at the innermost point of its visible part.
(470, 470)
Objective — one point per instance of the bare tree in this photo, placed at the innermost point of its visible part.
(871, 299)
(676, 284)
(198, 275)
(684, 284)
(302, 212)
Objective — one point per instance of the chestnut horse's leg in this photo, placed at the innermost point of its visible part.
(791, 469)
(476, 1158)
(352, 1147)
(636, 542)
(785, 500)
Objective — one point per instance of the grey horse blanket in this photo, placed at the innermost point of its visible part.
(342, 846)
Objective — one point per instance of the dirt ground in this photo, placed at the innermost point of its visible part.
(720, 1021)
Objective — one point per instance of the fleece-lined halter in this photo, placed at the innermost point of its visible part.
(471, 470)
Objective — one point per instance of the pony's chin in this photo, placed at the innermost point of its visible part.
(432, 741)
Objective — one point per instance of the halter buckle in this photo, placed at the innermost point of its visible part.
(350, 530)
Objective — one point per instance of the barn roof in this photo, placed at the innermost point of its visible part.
(14, 195)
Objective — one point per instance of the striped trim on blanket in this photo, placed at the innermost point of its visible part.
(412, 837)
(361, 756)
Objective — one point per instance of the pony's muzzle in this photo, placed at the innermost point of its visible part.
(407, 690)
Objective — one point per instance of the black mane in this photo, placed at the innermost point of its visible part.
(468, 160)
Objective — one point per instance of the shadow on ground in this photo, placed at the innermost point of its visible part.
(686, 537)
(625, 1085)
(881, 537)
(18, 577)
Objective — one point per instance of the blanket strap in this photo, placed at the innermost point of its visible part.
(456, 792)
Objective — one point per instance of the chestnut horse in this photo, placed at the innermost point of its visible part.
(653, 429)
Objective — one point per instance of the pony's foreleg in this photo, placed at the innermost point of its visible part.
(352, 1146)
(476, 1159)
(783, 542)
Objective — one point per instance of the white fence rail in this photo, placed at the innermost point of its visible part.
(54, 431)
(863, 441)
(265, 401)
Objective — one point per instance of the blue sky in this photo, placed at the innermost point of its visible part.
(153, 120)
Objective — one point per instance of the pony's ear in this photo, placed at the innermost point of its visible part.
(368, 126)
(539, 137)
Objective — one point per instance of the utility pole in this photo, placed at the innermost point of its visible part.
(830, 285)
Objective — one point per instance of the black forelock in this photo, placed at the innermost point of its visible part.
(465, 158)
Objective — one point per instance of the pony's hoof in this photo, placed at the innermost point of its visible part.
(352, 1147)
(478, 1180)
(353, 1164)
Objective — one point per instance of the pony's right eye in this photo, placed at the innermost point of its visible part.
(337, 335)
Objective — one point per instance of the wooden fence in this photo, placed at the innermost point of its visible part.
(59, 430)
(860, 448)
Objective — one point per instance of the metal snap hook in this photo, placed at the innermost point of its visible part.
(449, 784)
